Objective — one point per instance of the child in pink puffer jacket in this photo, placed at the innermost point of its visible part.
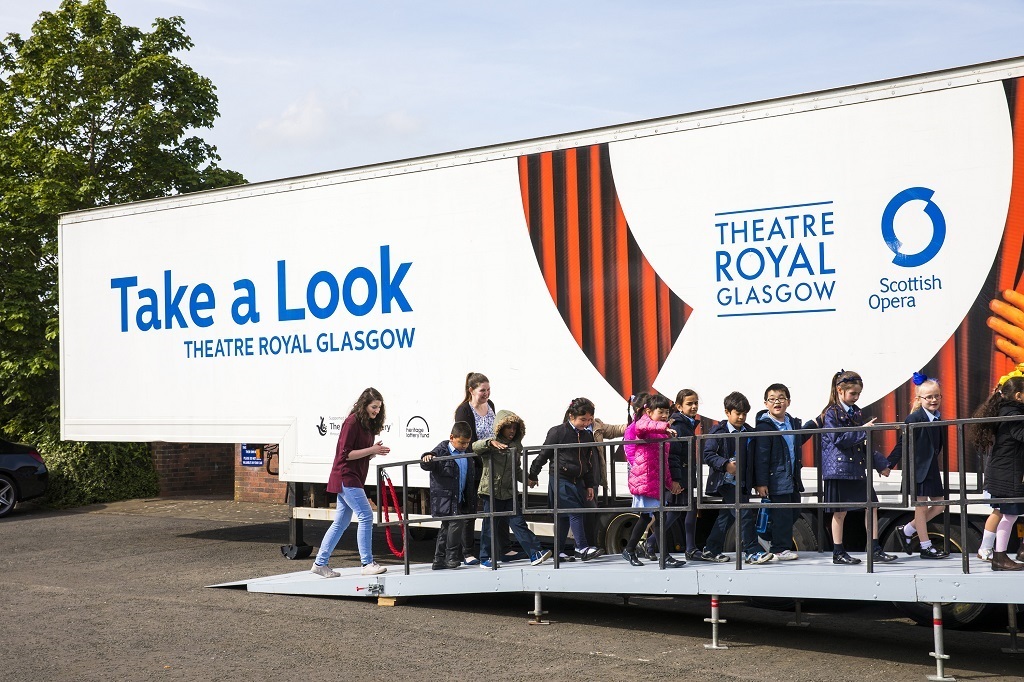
(649, 474)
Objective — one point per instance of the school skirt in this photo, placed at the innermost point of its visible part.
(931, 486)
(841, 490)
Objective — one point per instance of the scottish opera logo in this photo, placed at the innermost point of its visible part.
(934, 213)
(903, 292)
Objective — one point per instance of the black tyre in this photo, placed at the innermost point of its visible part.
(617, 532)
(955, 615)
(8, 495)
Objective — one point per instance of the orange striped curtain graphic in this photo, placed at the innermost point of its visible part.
(623, 316)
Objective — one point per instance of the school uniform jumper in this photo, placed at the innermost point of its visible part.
(928, 444)
(844, 458)
(451, 493)
(777, 466)
(718, 452)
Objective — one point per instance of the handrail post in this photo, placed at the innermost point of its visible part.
(965, 555)
(869, 515)
(405, 515)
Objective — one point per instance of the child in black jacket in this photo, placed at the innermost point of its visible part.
(452, 492)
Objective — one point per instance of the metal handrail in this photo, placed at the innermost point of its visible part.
(696, 482)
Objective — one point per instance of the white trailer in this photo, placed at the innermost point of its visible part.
(865, 227)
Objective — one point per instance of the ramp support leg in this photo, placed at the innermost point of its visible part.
(297, 547)
(938, 655)
(537, 612)
(1011, 617)
(797, 622)
(715, 621)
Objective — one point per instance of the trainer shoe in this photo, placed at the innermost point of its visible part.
(787, 555)
(985, 554)
(373, 569)
(324, 571)
(716, 558)
(540, 557)
(758, 557)
(488, 563)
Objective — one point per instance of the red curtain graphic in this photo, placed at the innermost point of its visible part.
(622, 315)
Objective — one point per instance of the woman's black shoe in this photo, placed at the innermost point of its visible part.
(844, 559)
(631, 558)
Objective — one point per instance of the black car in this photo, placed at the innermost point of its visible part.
(23, 475)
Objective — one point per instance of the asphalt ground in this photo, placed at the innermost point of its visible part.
(118, 592)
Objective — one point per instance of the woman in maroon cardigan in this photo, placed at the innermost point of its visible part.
(351, 463)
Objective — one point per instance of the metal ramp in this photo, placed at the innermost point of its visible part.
(813, 576)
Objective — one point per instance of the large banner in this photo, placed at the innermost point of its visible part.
(870, 236)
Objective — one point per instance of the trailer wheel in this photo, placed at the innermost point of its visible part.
(954, 615)
(617, 532)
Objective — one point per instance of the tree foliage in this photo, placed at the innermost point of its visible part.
(92, 112)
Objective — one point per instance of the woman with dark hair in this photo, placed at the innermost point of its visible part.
(477, 410)
(348, 474)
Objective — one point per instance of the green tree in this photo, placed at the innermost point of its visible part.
(92, 112)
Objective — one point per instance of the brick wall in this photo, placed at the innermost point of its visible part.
(254, 484)
(194, 468)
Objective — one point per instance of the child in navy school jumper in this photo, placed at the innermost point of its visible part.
(721, 456)
(929, 442)
(577, 474)
(777, 466)
(844, 462)
(452, 493)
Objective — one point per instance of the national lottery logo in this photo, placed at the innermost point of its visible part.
(931, 209)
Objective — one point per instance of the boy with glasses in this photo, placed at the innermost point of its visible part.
(777, 464)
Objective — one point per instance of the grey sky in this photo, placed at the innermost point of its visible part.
(308, 86)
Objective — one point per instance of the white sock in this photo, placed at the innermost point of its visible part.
(988, 540)
(926, 543)
(909, 531)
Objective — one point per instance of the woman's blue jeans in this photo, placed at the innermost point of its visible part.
(350, 501)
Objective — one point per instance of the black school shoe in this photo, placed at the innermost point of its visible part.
(631, 558)
(880, 555)
(905, 542)
(845, 559)
(672, 562)
(932, 553)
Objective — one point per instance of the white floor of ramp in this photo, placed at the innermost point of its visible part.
(813, 576)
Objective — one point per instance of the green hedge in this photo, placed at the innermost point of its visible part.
(85, 473)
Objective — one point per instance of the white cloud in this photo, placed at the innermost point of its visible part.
(300, 121)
